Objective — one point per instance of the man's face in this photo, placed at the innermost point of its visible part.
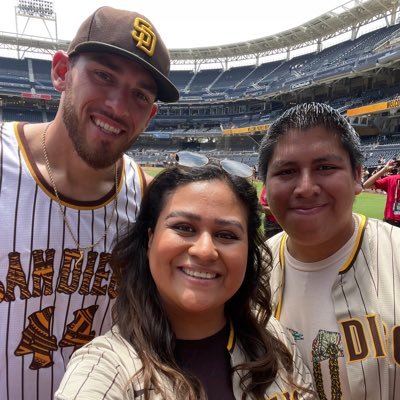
(311, 188)
(107, 103)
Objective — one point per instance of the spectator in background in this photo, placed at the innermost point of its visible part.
(254, 173)
(364, 174)
(191, 276)
(271, 226)
(66, 191)
(336, 274)
(388, 180)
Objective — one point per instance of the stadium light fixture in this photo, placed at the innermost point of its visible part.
(36, 8)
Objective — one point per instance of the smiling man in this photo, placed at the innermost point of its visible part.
(67, 191)
(336, 274)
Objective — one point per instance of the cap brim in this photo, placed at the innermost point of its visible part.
(166, 90)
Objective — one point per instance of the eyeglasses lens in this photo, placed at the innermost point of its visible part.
(189, 159)
(236, 168)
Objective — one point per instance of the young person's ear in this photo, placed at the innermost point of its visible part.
(59, 68)
(358, 180)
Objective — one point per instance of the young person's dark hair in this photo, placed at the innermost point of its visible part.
(139, 312)
(306, 116)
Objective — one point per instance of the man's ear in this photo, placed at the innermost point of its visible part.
(153, 112)
(59, 68)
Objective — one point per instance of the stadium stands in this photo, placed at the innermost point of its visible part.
(349, 74)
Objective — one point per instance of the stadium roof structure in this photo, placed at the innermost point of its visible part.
(348, 17)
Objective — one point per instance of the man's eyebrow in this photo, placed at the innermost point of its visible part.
(106, 61)
(323, 158)
(111, 64)
(328, 157)
(218, 221)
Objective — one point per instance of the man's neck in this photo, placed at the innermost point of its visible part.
(309, 253)
(73, 177)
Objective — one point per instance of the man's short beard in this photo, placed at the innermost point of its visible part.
(96, 160)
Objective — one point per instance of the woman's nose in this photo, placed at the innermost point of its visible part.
(204, 248)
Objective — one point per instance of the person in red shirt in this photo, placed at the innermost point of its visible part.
(388, 179)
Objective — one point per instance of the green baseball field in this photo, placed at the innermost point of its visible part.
(370, 204)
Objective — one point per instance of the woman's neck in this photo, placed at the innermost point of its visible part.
(191, 326)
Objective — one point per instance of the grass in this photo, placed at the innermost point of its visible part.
(368, 203)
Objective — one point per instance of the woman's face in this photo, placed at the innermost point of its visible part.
(198, 252)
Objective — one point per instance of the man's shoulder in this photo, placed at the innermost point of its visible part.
(8, 127)
(378, 225)
(382, 234)
(11, 137)
(275, 241)
(127, 159)
(131, 167)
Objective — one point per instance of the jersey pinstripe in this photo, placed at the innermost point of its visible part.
(50, 304)
(366, 297)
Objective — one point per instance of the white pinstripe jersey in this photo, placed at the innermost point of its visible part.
(108, 363)
(50, 305)
(366, 298)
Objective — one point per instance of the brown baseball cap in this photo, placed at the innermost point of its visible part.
(130, 35)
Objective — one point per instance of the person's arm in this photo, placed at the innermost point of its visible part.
(373, 178)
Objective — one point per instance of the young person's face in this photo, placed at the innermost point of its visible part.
(108, 102)
(311, 189)
(198, 251)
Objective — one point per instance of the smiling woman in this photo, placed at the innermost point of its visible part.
(191, 271)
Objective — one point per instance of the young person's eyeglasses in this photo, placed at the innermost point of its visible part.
(191, 159)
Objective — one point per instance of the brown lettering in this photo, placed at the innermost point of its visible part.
(88, 274)
(287, 396)
(69, 284)
(2, 292)
(43, 270)
(355, 340)
(376, 337)
(16, 277)
(101, 274)
(113, 287)
(396, 344)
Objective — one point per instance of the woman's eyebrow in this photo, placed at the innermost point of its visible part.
(192, 216)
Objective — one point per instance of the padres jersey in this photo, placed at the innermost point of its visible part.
(116, 362)
(366, 300)
(51, 304)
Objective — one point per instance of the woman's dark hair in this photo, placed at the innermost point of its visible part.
(139, 313)
(306, 116)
